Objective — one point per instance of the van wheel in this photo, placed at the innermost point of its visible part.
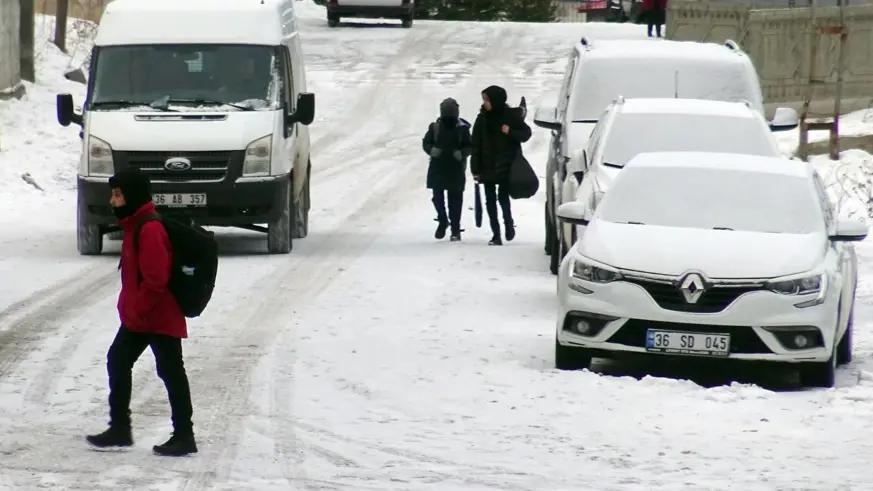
(333, 21)
(117, 235)
(300, 227)
(89, 238)
(279, 232)
(407, 22)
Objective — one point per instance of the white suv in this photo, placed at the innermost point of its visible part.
(712, 255)
(598, 71)
(633, 126)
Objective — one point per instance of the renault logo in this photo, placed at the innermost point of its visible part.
(692, 287)
(177, 164)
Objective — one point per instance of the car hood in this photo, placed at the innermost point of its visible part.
(715, 253)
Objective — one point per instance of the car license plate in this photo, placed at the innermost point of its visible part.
(179, 199)
(688, 343)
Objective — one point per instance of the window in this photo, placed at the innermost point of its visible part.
(566, 85)
(827, 207)
(236, 74)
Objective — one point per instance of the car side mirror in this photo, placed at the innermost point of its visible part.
(546, 117)
(66, 113)
(849, 231)
(574, 212)
(784, 119)
(305, 112)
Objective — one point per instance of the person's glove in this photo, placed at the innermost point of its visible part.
(458, 155)
(436, 152)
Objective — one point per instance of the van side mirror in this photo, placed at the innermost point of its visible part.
(574, 212)
(849, 231)
(546, 117)
(784, 119)
(305, 112)
(66, 114)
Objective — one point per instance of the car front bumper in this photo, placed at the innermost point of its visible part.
(624, 312)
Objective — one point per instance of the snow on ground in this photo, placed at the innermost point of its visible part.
(373, 357)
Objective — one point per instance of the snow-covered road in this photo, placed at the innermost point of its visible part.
(373, 357)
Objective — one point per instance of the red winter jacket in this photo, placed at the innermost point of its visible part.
(653, 4)
(147, 306)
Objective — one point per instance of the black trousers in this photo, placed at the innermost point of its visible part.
(125, 350)
(494, 194)
(655, 20)
(456, 203)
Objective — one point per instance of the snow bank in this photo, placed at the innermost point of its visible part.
(849, 181)
(858, 123)
(37, 155)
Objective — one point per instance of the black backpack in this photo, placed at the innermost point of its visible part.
(436, 129)
(195, 262)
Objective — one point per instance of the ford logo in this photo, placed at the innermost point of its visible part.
(177, 164)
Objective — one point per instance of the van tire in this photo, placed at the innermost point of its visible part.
(117, 235)
(89, 238)
(333, 21)
(406, 21)
(279, 232)
(300, 227)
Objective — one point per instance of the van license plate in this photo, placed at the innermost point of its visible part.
(688, 343)
(179, 199)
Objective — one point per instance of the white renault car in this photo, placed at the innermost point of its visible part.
(633, 126)
(713, 255)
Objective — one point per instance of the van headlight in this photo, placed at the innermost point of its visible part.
(257, 161)
(99, 157)
(814, 285)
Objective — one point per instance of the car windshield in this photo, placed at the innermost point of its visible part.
(185, 74)
(631, 134)
(600, 84)
(703, 198)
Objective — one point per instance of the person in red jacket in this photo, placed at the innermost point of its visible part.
(150, 317)
(655, 13)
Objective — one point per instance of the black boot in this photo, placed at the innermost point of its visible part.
(177, 446)
(456, 237)
(510, 231)
(495, 241)
(115, 436)
(441, 230)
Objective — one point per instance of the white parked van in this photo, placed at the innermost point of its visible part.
(207, 97)
(599, 71)
(372, 9)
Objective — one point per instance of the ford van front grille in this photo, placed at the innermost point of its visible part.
(208, 166)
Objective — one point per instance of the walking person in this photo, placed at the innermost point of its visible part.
(448, 144)
(655, 12)
(498, 133)
(150, 317)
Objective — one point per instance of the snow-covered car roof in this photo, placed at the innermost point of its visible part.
(688, 106)
(721, 161)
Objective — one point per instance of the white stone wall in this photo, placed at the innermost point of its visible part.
(10, 72)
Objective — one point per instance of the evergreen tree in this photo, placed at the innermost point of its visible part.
(427, 9)
(470, 10)
(530, 10)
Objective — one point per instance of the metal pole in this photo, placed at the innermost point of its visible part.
(61, 13)
(834, 144)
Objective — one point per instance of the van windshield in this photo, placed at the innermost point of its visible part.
(604, 80)
(207, 76)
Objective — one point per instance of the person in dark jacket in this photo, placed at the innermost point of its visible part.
(448, 144)
(150, 317)
(498, 133)
(655, 14)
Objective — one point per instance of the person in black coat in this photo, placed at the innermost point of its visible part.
(448, 144)
(498, 133)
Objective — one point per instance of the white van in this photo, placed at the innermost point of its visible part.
(207, 97)
(599, 71)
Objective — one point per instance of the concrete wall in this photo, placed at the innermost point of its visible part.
(778, 42)
(79, 9)
(10, 72)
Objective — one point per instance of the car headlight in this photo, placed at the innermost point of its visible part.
(257, 161)
(582, 270)
(815, 285)
(99, 157)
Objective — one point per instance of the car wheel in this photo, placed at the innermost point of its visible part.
(279, 237)
(819, 374)
(89, 238)
(116, 235)
(571, 358)
(550, 230)
(844, 348)
(300, 225)
(333, 21)
(407, 22)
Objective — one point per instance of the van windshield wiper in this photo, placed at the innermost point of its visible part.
(128, 103)
(722, 228)
(610, 164)
(589, 121)
(166, 100)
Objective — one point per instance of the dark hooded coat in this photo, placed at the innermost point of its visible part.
(453, 134)
(494, 151)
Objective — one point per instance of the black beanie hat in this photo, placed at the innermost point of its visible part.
(497, 95)
(134, 185)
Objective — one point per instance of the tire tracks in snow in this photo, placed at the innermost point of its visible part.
(284, 427)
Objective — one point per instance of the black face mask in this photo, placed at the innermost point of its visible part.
(122, 212)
